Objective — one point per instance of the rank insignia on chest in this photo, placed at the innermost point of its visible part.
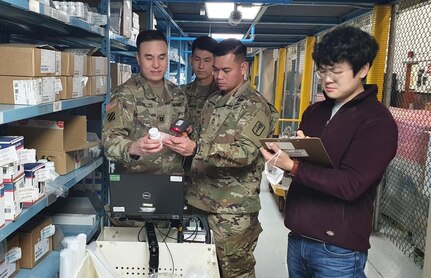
(258, 128)
(162, 119)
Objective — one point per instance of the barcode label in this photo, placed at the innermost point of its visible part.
(56, 106)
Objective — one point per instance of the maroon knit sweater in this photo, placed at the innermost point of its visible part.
(336, 205)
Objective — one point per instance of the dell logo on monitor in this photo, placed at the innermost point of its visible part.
(146, 195)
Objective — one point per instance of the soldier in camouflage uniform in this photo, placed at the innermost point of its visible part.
(197, 92)
(227, 166)
(146, 100)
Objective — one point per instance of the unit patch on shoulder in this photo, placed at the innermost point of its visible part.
(111, 105)
(258, 128)
(111, 116)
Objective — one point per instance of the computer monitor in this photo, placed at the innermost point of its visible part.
(144, 197)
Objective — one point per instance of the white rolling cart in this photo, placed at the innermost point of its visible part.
(128, 257)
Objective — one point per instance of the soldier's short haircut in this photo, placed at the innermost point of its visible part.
(233, 46)
(204, 43)
(150, 35)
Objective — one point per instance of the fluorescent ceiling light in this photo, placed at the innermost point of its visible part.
(227, 36)
(217, 10)
(249, 12)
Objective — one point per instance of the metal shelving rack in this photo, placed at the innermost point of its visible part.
(46, 27)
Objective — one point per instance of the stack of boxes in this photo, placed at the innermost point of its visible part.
(121, 17)
(120, 73)
(62, 140)
(29, 74)
(13, 175)
(32, 74)
(97, 73)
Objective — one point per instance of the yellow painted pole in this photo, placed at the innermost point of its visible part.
(279, 88)
(307, 75)
(254, 71)
(380, 30)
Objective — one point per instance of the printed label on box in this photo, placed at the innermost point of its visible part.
(26, 156)
(41, 248)
(47, 61)
(3, 270)
(8, 155)
(27, 91)
(57, 60)
(28, 194)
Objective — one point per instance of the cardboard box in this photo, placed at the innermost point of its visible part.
(12, 200)
(121, 13)
(97, 86)
(13, 267)
(28, 60)
(97, 65)
(67, 86)
(61, 141)
(67, 64)
(60, 132)
(120, 73)
(67, 161)
(29, 90)
(34, 248)
(79, 85)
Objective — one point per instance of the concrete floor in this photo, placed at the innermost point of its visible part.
(385, 260)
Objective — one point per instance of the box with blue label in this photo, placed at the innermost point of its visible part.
(34, 184)
(9, 158)
(7, 141)
(12, 200)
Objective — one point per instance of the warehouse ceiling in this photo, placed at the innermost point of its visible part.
(279, 23)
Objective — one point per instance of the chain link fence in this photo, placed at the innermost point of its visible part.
(406, 188)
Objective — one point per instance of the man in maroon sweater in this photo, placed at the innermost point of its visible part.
(329, 210)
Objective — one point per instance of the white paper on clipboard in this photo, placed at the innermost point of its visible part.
(308, 149)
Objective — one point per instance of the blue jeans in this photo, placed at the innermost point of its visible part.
(310, 258)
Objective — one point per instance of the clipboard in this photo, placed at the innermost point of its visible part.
(308, 149)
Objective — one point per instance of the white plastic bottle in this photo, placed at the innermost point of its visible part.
(154, 133)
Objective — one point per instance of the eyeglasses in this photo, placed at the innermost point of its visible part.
(323, 73)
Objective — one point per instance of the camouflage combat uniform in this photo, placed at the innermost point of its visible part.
(133, 110)
(196, 97)
(226, 173)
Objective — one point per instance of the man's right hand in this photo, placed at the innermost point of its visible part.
(145, 146)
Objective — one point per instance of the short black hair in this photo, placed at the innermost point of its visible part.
(231, 46)
(150, 35)
(346, 44)
(204, 43)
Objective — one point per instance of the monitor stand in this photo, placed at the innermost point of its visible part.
(153, 247)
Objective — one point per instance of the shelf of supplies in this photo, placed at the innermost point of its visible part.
(47, 268)
(39, 18)
(68, 180)
(73, 230)
(12, 113)
(50, 266)
(119, 42)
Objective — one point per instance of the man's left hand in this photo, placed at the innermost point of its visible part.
(182, 145)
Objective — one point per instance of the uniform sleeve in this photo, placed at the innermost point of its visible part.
(254, 123)
(118, 125)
